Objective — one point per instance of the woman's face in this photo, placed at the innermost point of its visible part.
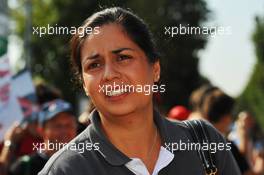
(111, 58)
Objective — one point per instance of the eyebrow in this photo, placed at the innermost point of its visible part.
(121, 49)
(96, 55)
(93, 56)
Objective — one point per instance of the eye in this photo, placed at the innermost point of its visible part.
(93, 65)
(123, 57)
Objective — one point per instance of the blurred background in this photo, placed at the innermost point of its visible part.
(234, 62)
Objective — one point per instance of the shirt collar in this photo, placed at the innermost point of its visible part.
(110, 153)
(138, 167)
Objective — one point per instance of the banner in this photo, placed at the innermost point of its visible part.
(22, 86)
(10, 110)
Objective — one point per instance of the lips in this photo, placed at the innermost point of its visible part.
(116, 92)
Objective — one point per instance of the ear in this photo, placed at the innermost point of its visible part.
(156, 71)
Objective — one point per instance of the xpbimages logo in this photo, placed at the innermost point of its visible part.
(62, 30)
(117, 89)
(191, 146)
(212, 31)
(78, 147)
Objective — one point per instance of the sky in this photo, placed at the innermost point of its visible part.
(228, 60)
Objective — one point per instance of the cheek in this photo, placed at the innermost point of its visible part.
(142, 73)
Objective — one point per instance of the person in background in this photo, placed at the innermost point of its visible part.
(58, 125)
(197, 100)
(248, 141)
(217, 108)
(20, 137)
(19, 140)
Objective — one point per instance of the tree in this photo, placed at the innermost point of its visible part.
(179, 54)
(252, 99)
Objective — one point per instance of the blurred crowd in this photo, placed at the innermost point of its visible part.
(29, 144)
(242, 130)
(26, 145)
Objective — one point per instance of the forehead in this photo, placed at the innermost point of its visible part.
(110, 37)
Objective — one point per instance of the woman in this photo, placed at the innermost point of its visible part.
(127, 135)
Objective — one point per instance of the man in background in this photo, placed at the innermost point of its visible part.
(58, 125)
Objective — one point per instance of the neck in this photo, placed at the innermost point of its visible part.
(134, 134)
(132, 123)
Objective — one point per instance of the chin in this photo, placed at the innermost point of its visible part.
(118, 110)
(122, 107)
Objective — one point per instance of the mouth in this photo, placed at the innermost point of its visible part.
(116, 92)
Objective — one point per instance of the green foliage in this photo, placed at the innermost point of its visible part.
(179, 54)
(43, 12)
(258, 39)
(252, 99)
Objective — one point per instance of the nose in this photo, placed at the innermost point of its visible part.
(110, 72)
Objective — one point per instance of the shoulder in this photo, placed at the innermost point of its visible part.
(74, 154)
(180, 126)
(217, 145)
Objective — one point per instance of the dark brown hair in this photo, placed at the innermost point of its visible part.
(216, 105)
(132, 25)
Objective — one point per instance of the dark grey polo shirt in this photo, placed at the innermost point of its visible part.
(105, 159)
